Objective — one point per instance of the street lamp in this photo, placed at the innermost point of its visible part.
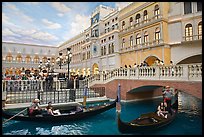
(68, 60)
(59, 60)
(40, 66)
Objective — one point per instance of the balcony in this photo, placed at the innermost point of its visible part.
(143, 46)
(192, 38)
(141, 24)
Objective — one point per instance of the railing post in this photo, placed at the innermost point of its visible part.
(185, 72)
(128, 73)
(157, 72)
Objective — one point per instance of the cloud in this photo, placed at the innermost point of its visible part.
(80, 23)
(122, 5)
(60, 14)
(7, 32)
(31, 3)
(44, 36)
(18, 12)
(51, 25)
(59, 6)
(32, 34)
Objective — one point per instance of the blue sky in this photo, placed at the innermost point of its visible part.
(47, 23)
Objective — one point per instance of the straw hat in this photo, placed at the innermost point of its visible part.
(167, 87)
(36, 100)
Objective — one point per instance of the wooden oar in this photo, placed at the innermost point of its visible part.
(14, 116)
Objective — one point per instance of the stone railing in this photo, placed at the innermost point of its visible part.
(184, 72)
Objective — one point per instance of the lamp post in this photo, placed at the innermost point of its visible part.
(68, 59)
(40, 66)
(59, 60)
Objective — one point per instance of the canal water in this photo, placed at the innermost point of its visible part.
(187, 122)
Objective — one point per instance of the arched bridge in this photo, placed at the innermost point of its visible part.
(147, 82)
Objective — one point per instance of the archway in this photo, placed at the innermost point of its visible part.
(192, 59)
(95, 69)
(150, 60)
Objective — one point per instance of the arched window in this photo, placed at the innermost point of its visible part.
(156, 11)
(189, 32)
(112, 48)
(102, 51)
(157, 35)
(109, 49)
(28, 59)
(146, 38)
(36, 59)
(44, 59)
(145, 16)
(113, 27)
(123, 24)
(137, 19)
(138, 39)
(9, 57)
(19, 58)
(123, 43)
(200, 30)
(131, 20)
(131, 40)
(53, 60)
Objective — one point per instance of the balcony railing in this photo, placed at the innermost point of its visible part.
(142, 45)
(141, 23)
(192, 38)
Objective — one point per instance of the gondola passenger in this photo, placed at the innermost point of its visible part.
(161, 110)
(50, 110)
(35, 108)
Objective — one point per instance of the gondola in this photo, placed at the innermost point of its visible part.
(65, 116)
(147, 122)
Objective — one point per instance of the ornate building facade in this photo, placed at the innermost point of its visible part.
(142, 31)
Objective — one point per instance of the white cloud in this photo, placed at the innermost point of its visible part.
(44, 36)
(59, 6)
(31, 3)
(60, 14)
(18, 12)
(11, 7)
(121, 5)
(80, 23)
(51, 25)
(7, 32)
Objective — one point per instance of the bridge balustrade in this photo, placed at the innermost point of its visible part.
(184, 72)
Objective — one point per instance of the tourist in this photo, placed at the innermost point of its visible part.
(167, 98)
(172, 68)
(35, 108)
(161, 110)
(125, 66)
(135, 65)
(51, 111)
(129, 66)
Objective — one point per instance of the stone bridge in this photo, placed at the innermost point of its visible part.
(147, 82)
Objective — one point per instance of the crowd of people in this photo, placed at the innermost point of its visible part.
(145, 64)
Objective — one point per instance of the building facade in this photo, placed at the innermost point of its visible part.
(17, 57)
(142, 31)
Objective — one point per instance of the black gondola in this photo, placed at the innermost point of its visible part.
(147, 122)
(66, 115)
